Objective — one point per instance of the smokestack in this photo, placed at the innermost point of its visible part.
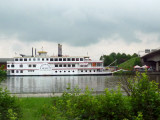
(32, 51)
(59, 50)
(35, 51)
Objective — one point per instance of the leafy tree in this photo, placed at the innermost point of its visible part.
(108, 59)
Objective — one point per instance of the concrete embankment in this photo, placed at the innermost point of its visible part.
(38, 95)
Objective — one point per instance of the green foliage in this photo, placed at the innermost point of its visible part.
(145, 97)
(129, 64)
(111, 105)
(121, 72)
(142, 102)
(2, 71)
(108, 59)
(9, 106)
(12, 115)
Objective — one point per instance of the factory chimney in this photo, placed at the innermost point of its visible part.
(32, 51)
(35, 51)
(59, 50)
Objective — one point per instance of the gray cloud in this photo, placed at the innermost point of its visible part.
(78, 22)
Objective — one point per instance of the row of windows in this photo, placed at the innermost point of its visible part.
(80, 71)
(31, 65)
(64, 65)
(21, 71)
(48, 59)
(56, 65)
(21, 66)
(17, 71)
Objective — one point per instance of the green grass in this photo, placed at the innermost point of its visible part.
(31, 107)
(129, 64)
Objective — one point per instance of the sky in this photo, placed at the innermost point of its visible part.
(83, 27)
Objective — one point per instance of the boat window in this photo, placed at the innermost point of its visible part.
(60, 65)
(73, 59)
(60, 71)
(38, 59)
(64, 59)
(86, 70)
(21, 65)
(51, 59)
(81, 70)
(60, 59)
(98, 64)
(16, 59)
(46, 59)
(68, 71)
(68, 59)
(34, 59)
(90, 71)
(81, 59)
(64, 65)
(42, 59)
(69, 65)
(64, 71)
(34, 65)
(8, 65)
(94, 71)
(73, 65)
(17, 71)
(56, 65)
(12, 65)
(21, 59)
(73, 71)
(56, 59)
(12, 71)
(25, 59)
(21, 71)
(77, 59)
(55, 71)
(29, 65)
(29, 59)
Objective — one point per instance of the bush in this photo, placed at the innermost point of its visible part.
(111, 105)
(8, 105)
(2, 71)
(145, 97)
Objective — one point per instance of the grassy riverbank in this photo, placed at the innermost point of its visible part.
(32, 106)
(142, 102)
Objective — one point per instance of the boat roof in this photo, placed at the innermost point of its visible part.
(54, 57)
(42, 52)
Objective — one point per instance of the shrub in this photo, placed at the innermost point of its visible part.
(8, 104)
(111, 105)
(2, 71)
(145, 97)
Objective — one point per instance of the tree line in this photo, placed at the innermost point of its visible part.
(117, 57)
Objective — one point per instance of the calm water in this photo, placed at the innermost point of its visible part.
(58, 84)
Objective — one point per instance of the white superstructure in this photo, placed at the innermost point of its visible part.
(44, 65)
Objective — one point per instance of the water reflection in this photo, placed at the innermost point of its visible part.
(57, 84)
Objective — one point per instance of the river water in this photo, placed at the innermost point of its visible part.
(58, 84)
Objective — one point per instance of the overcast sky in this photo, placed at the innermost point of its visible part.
(93, 27)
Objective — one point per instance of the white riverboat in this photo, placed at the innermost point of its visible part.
(42, 64)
